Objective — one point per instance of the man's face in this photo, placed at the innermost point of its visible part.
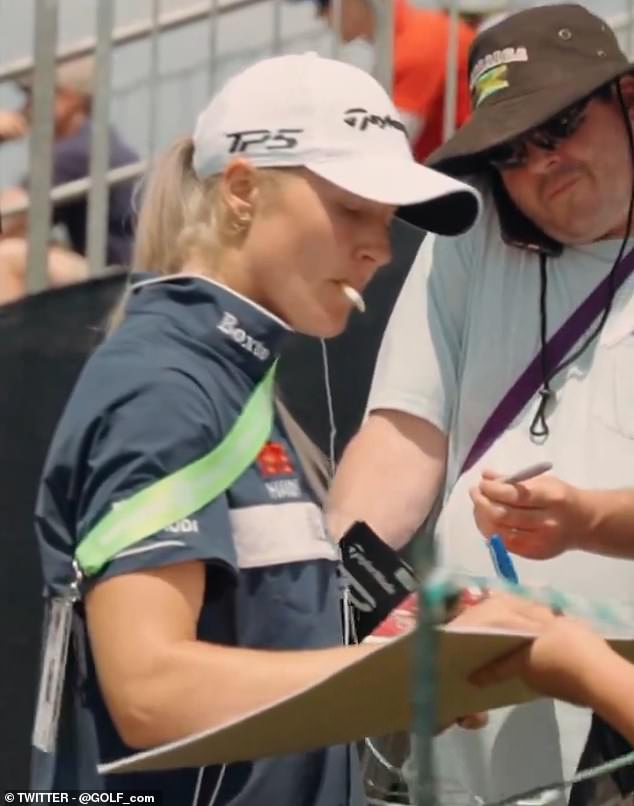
(353, 22)
(66, 104)
(578, 189)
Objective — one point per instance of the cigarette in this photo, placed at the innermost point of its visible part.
(353, 295)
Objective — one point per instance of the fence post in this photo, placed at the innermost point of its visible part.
(41, 145)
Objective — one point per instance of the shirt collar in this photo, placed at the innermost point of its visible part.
(233, 325)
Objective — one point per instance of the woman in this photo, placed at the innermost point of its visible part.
(271, 219)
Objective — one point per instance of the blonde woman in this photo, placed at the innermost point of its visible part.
(273, 218)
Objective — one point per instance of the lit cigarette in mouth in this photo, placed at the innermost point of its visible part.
(353, 295)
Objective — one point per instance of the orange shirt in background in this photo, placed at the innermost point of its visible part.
(420, 63)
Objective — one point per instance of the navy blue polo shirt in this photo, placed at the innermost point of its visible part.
(71, 160)
(160, 392)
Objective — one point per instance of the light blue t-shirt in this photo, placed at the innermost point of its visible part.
(465, 326)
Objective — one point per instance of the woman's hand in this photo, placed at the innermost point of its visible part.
(564, 660)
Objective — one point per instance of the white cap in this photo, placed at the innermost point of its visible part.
(338, 122)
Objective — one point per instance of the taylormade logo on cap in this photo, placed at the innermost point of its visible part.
(361, 118)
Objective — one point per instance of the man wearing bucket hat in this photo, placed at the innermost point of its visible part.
(512, 344)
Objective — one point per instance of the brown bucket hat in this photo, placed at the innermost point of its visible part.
(526, 69)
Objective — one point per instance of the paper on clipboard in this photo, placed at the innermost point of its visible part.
(352, 703)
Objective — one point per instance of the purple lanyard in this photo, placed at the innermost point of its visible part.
(557, 347)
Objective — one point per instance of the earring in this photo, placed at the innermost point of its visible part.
(241, 223)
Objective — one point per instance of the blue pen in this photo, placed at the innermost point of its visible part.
(502, 561)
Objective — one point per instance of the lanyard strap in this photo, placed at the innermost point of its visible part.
(558, 347)
(185, 491)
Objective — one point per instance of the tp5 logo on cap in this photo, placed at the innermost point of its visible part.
(272, 140)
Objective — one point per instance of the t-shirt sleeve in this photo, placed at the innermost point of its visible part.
(419, 77)
(165, 425)
(419, 358)
(71, 162)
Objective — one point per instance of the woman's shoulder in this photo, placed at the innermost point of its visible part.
(124, 395)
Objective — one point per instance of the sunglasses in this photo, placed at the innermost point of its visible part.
(547, 136)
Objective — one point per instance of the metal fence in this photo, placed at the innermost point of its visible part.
(103, 44)
(107, 38)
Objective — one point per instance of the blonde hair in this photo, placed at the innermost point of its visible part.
(179, 214)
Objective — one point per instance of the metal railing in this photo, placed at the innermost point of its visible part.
(96, 186)
(138, 31)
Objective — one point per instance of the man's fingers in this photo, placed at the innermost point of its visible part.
(517, 495)
(504, 516)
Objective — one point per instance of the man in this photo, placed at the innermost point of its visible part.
(421, 38)
(550, 144)
(71, 160)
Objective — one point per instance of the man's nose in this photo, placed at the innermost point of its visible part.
(540, 160)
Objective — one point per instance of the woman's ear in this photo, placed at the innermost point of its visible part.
(239, 191)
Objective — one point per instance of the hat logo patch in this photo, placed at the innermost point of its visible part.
(268, 139)
(359, 118)
(498, 57)
(490, 82)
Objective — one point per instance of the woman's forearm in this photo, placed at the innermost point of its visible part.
(195, 686)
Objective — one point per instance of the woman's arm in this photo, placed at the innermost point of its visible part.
(159, 682)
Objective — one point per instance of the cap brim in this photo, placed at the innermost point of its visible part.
(500, 121)
(427, 199)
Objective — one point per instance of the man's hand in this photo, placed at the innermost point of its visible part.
(13, 224)
(539, 519)
(13, 125)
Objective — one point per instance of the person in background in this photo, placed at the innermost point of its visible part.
(74, 87)
(421, 40)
